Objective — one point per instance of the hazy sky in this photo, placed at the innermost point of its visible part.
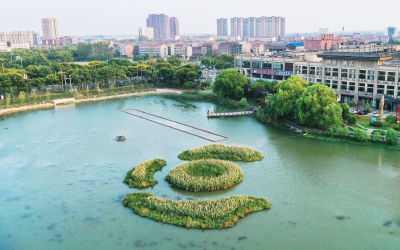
(83, 17)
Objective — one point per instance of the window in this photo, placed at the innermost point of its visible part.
(380, 91)
(334, 84)
(371, 75)
(256, 75)
(267, 65)
(256, 65)
(328, 72)
(343, 86)
(381, 76)
(352, 74)
(370, 88)
(312, 70)
(238, 62)
(304, 70)
(288, 66)
(298, 69)
(278, 66)
(278, 77)
(391, 76)
(352, 85)
(362, 74)
(246, 64)
(312, 80)
(345, 73)
(361, 89)
(319, 71)
(319, 80)
(335, 72)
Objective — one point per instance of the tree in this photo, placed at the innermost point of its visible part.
(288, 93)
(318, 107)
(230, 83)
(367, 106)
(345, 111)
(175, 61)
(8, 99)
(243, 103)
(22, 96)
(392, 137)
(361, 135)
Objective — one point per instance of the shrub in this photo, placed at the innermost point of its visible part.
(205, 175)
(243, 103)
(376, 136)
(189, 85)
(346, 111)
(343, 131)
(361, 135)
(330, 132)
(223, 152)
(377, 124)
(392, 137)
(391, 119)
(142, 175)
(352, 119)
(213, 213)
(396, 126)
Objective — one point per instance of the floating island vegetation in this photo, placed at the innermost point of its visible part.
(141, 176)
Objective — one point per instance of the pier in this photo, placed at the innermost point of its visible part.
(239, 113)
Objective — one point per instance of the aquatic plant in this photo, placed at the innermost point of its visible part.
(141, 176)
(213, 213)
(205, 175)
(223, 152)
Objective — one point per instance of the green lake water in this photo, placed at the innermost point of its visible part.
(61, 186)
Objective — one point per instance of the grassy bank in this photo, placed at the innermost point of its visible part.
(141, 176)
(353, 141)
(205, 175)
(214, 213)
(223, 152)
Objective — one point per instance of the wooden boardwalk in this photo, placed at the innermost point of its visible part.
(230, 113)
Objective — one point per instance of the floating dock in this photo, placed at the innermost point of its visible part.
(231, 113)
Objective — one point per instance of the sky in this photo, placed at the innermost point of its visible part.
(125, 17)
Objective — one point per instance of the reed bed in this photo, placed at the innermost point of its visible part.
(223, 152)
(211, 213)
(141, 176)
(181, 177)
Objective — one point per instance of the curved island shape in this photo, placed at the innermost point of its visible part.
(205, 175)
(213, 213)
(141, 176)
(223, 152)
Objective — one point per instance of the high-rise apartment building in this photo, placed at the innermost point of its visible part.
(390, 31)
(237, 26)
(50, 28)
(258, 26)
(174, 26)
(148, 32)
(222, 27)
(163, 25)
(20, 37)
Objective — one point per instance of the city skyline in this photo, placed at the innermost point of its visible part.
(299, 20)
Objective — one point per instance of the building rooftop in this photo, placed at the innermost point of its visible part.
(298, 44)
(354, 56)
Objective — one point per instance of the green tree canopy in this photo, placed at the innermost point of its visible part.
(288, 93)
(318, 107)
(230, 83)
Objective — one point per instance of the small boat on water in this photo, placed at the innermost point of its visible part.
(120, 138)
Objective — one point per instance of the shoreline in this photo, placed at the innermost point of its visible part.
(97, 98)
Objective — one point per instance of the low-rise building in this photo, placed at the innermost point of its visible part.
(206, 47)
(226, 48)
(296, 46)
(362, 77)
(325, 42)
(147, 32)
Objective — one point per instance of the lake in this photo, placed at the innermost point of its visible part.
(62, 171)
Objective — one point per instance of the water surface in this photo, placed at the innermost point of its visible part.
(61, 182)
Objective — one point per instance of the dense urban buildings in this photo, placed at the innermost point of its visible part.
(258, 27)
(147, 32)
(50, 31)
(363, 77)
(20, 37)
(163, 25)
(325, 42)
(222, 27)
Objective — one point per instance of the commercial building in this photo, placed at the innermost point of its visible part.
(163, 26)
(325, 42)
(222, 27)
(50, 31)
(362, 77)
(148, 32)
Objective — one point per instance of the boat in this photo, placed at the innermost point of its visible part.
(120, 138)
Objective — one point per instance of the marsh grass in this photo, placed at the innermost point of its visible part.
(206, 214)
(141, 176)
(223, 152)
(209, 175)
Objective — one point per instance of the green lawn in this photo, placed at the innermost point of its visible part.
(365, 123)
